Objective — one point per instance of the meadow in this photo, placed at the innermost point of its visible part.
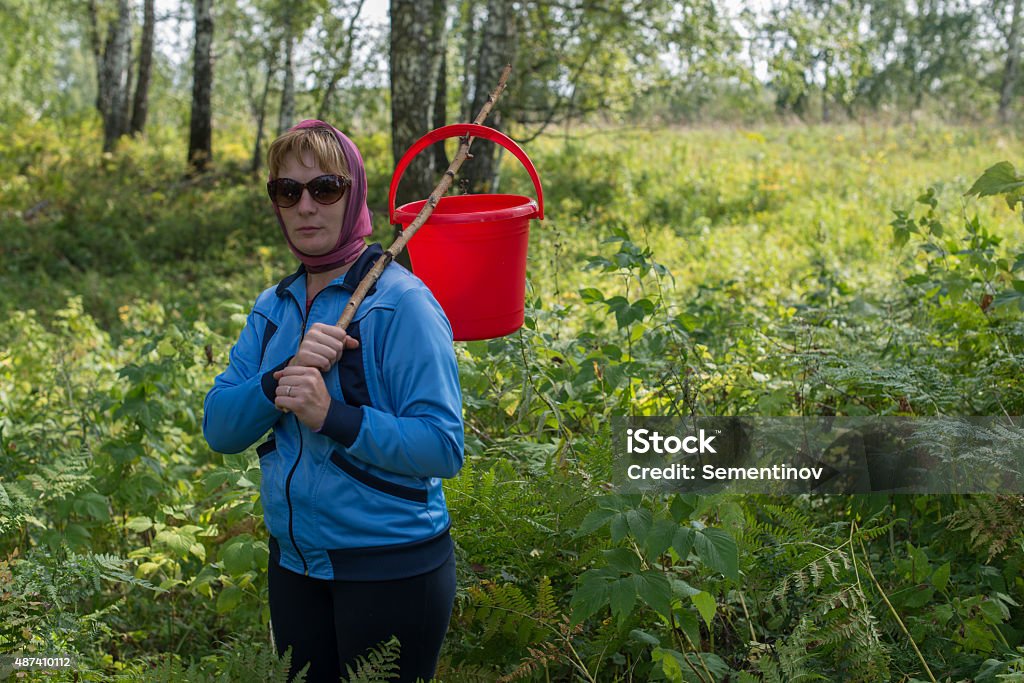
(783, 270)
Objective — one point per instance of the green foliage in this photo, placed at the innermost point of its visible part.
(678, 272)
(995, 523)
(379, 665)
(43, 594)
(235, 660)
(1000, 179)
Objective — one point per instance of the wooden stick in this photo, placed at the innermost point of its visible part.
(370, 279)
(442, 187)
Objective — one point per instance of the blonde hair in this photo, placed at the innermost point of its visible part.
(319, 142)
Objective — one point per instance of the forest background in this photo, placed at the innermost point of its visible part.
(777, 208)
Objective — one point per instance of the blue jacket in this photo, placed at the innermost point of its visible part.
(361, 499)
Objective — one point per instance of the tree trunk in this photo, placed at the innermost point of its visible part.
(261, 116)
(200, 149)
(344, 64)
(440, 115)
(97, 53)
(287, 113)
(112, 95)
(1012, 65)
(470, 48)
(141, 104)
(417, 39)
(129, 82)
(497, 48)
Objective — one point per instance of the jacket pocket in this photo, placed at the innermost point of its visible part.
(376, 483)
(270, 481)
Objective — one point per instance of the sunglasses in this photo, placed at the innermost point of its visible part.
(325, 189)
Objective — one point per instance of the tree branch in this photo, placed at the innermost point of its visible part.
(428, 208)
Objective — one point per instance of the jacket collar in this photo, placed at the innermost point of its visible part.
(349, 281)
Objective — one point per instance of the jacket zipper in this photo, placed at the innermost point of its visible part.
(288, 481)
(288, 497)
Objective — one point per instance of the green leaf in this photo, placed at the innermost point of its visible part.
(146, 569)
(918, 596)
(623, 595)
(173, 541)
(644, 637)
(165, 348)
(689, 623)
(594, 520)
(682, 542)
(678, 667)
(619, 305)
(654, 589)
(589, 597)
(994, 611)
(659, 539)
(717, 549)
(139, 524)
(94, 505)
(683, 505)
(706, 605)
(998, 179)
(639, 521)
(623, 560)
(941, 577)
(671, 668)
(237, 556)
(681, 589)
(1009, 298)
(591, 295)
(619, 528)
(228, 599)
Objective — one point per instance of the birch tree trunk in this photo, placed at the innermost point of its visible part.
(140, 106)
(417, 39)
(497, 47)
(261, 115)
(344, 64)
(112, 73)
(440, 114)
(1012, 64)
(470, 48)
(287, 113)
(417, 45)
(200, 150)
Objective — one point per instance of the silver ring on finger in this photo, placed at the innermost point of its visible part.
(289, 391)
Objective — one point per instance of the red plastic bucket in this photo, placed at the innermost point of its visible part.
(471, 252)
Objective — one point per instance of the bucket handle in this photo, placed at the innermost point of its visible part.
(459, 129)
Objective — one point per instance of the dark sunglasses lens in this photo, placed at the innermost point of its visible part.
(286, 192)
(327, 189)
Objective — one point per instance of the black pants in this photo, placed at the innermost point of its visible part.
(331, 623)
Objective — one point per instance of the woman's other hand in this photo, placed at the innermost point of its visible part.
(301, 390)
(322, 347)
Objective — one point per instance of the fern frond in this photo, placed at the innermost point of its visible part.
(380, 664)
(992, 521)
(540, 657)
(503, 610)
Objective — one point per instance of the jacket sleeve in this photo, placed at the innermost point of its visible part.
(239, 409)
(425, 437)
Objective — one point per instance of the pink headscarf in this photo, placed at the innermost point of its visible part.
(356, 222)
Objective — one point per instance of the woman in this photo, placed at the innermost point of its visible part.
(366, 421)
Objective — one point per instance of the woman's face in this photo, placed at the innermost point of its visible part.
(313, 228)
